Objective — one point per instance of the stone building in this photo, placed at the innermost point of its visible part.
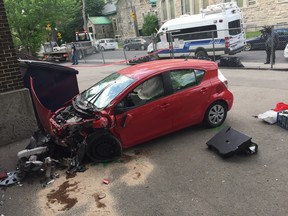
(127, 16)
(17, 119)
(255, 12)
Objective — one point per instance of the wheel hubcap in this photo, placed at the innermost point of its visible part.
(216, 114)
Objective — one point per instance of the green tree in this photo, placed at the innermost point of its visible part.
(150, 25)
(28, 20)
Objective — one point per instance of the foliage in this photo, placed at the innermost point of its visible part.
(94, 7)
(150, 25)
(29, 20)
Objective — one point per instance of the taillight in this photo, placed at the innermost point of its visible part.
(46, 56)
(227, 42)
(226, 83)
(222, 78)
(65, 55)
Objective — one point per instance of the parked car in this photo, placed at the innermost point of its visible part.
(108, 44)
(258, 43)
(140, 103)
(286, 52)
(135, 44)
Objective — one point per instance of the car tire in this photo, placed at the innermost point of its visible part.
(201, 54)
(127, 48)
(248, 47)
(105, 147)
(215, 114)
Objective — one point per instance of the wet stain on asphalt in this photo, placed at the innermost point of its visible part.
(137, 175)
(71, 175)
(61, 195)
(97, 200)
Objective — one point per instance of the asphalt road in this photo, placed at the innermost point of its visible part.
(117, 55)
(175, 174)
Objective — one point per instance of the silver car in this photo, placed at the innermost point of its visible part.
(108, 44)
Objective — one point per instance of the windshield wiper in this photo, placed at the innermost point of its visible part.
(96, 96)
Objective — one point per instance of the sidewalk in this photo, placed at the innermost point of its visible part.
(262, 66)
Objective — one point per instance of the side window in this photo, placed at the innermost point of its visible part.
(182, 79)
(149, 90)
(199, 75)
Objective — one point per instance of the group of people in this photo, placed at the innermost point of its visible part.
(271, 43)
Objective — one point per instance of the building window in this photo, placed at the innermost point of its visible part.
(164, 9)
(186, 6)
(196, 7)
(172, 9)
(240, 2)
(115, 26)
(251, 2)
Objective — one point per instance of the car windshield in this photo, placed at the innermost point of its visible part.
(102, 93)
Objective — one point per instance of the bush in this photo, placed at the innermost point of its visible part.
(150, 25)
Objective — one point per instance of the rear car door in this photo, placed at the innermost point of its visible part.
(146, 113)
(190, 96)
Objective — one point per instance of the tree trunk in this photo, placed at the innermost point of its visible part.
(84, 15)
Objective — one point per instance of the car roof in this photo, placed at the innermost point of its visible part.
(148, 69)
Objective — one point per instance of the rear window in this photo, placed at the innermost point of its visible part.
(111, 40)
(234, 27)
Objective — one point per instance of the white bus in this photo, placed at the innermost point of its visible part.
(218, 30)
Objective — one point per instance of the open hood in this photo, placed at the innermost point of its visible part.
(51, 87)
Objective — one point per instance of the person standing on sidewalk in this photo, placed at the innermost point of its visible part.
(271, 43)
(74, 54)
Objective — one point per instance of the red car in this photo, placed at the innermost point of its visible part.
(140, 103)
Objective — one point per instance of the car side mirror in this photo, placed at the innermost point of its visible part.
(120, 110)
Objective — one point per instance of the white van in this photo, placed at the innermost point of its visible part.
(218, 30)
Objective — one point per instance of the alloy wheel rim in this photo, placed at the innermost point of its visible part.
(216, 114)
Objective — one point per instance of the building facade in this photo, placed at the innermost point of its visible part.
(17, 119)
(256, 13)
(127, 16)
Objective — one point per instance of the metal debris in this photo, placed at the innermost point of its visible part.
(13, 177)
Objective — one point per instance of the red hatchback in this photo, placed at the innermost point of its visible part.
(140, 103)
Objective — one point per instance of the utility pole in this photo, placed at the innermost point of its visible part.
(134, 19)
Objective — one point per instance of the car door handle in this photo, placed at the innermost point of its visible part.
(164, 106)
(203, 90)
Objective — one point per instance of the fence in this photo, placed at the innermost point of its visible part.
(214, 48)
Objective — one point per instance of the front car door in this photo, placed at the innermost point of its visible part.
(145, 115)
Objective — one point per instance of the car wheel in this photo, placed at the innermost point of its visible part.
(215, 114)
(201, 54)
(127, 48)
(248, 47)
(104, 148)
(142, 47)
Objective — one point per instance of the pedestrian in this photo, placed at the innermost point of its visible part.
(74, 54)
(271, 43)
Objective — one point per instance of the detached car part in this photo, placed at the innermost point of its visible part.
(230, 141)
